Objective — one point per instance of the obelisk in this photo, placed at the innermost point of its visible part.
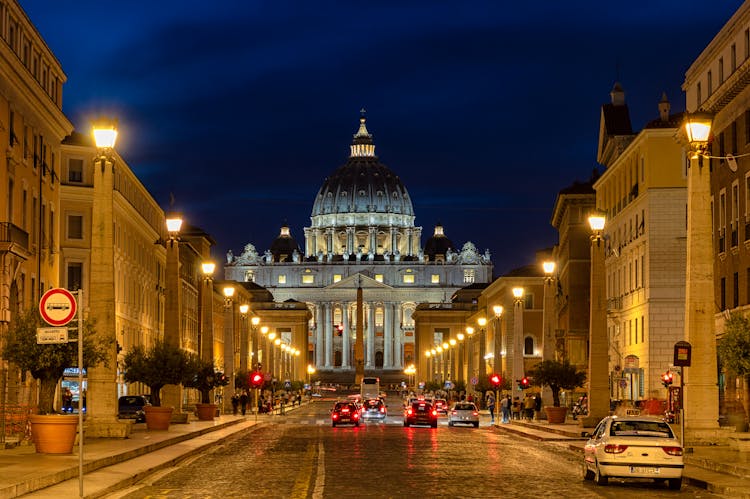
(359, 343)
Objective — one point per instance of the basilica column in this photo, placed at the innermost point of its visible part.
(373, 231)
(387, 335)
(394, 247)
(329, 241)
(398, 341)
(409, 242)
(328, 333)
(314, 249)
(319, 341)
(370, 354)
(345, 336)
(350, 240)
(308, 241)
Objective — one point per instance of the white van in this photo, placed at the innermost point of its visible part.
(370, 388)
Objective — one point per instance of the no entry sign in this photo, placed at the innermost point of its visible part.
(57, 306)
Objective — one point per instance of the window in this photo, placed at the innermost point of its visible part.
(736, 290)
(698, 96)
(336, 277)
(721, 70)
(723, 293)
(308, 279)
(709, 83)
(75, 276)
(282, 279)
(733, 58)
(408, 278)
(643, 336)
(733, 138)
(528, 301)
(747, 126)
(636, 331)
(75, 170)
(379, 277)
(75, 226)
(747, 43)
(469, 276)
(435, 279)
(528, 346)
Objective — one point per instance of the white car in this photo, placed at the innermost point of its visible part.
(633, 447)
(464, 413)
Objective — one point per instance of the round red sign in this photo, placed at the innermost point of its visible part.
(57, 306)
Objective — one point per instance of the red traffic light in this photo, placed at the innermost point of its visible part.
(496, 380)
(666, 378)
(256, 379)
(524, 382)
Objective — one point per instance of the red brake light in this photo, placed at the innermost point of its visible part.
(454, 412)
(409, 411)
(335, 416)
(434, 412)
(382, 409)
(475, 413)
(345, 409)
(673, 451)
(614, 448)
(356, 415)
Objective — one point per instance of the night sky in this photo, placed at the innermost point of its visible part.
(485, 109)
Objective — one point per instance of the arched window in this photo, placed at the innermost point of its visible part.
(528, 346)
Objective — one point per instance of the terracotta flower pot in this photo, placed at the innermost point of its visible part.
(54, 433)
(555, 415)
(205, 412)
(157, 418)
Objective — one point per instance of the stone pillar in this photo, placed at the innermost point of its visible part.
(207, 323)
(387, 335)
(701, 403)
(101, 398)
(229, 364)
(398, 341)
(328, 333)
(373, 232)
(308, 241)
(350, 241)
(394, 246)
(345, 345)
(172, 394)
(517, 351)
(329, 241)
(319, 332)
(548, 334)
(598, 375)
(370, 335)
(409, 242)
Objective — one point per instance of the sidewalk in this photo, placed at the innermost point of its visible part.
(112, 464)
(717, 469)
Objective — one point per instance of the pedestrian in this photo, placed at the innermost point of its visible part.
(491, 407)
(235, 402)
(67, 400)
(505, 408)
(516, 408)
(538, 406)
(528, 405)
(243, 401)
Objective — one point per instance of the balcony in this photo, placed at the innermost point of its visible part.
(14, 240)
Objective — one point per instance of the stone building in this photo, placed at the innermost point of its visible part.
(362, 234)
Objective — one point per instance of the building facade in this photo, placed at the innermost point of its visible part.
(643, 192)
(362, 235)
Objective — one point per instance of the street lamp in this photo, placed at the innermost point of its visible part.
(498, 338)
(548, 320)
(256, 350)
(172, 394)
(518, 304)
(243, 338)
(207, 329)
(701, 396)
(598, 375)
(230, 341)
(482, 342)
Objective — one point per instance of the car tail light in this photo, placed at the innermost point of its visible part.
(434, 412)
(344, 410)
(475, 413)
(382, 409)
(454, 412)
(673, 451)
(410, 411)
(335, 416)
(614, 448)
(356, 415)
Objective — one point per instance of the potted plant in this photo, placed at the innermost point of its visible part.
(52, 433)
(160, 365)
(558, 376)
(204, 378)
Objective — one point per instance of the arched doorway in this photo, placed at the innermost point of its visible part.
(337, 358)
(379, 359)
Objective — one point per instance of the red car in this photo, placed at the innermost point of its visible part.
(345, 413)
(420, 413)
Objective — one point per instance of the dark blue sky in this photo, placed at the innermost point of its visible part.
(241, 108)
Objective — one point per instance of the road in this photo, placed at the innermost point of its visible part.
(301, 456)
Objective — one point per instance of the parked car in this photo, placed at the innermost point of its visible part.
(374, 409)
(633, 447)
(420, 413)
(131, 407)
(345, 413)
(464, 413)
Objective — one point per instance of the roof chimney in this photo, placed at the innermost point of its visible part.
(664, 107)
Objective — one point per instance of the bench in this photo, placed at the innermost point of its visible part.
(740, 441)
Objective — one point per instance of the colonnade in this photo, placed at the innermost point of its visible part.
(326, 334)
(348, 241)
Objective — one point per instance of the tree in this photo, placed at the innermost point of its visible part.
(47, 362)
(160, 365)
(558, 376)
(734, 348)
(202, 376)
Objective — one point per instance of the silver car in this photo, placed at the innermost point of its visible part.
(464, 413)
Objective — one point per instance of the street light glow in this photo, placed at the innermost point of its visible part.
(208, 268)
(174, 223)
(244, 308)
(498, 309)
(517, 293)
(469, 330)
(229, 291)
(482, 321)
(460, 336)
(264, 330)
(596, 221)
(549, 267)
(255, 321)
(105, 133)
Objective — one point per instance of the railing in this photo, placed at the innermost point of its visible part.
(10, 233)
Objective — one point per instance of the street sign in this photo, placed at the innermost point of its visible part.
(57, 306)
(474, 380)
(50, 335)
(682, 353)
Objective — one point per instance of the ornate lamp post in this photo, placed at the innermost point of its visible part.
(102, 379)
(518, 304)
(207, 309)
(497, 344)
(549, 314)
(481, 340)
(229, 342)
(460, 368)
(598, 375)
(256, 357)
(469, 353)
(244, 346)
(701, 397)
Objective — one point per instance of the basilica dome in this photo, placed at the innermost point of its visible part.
(361, 187)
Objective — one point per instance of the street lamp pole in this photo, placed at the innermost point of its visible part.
(518, 303)
(229, 364)
(497, 343)
(598, 374)
(549, 312)
(207, 308)
(244, 347)
(701, 397)
(256, 350)
(482, 341)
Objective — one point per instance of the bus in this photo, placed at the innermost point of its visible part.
(370, 388)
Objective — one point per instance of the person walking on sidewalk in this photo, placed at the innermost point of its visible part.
(505, 408)
(243, 401)
(491, 406)
(235, 403)
(529, 404)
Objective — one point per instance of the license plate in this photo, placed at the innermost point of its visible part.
(644, 470)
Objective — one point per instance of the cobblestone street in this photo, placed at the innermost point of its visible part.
(302, 456)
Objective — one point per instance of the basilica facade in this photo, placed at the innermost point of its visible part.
(361, 235)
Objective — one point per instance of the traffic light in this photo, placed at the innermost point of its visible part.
(666, 379)
(496, 380)
(256, 379)
(524, 383)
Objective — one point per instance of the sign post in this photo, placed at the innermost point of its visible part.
(682, 355)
